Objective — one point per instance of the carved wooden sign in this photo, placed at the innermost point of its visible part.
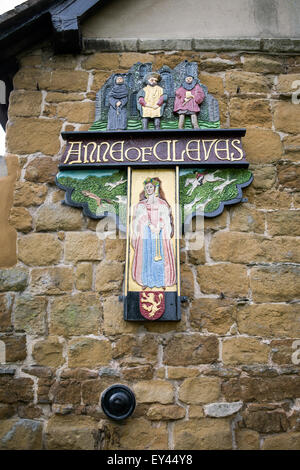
(153, 159)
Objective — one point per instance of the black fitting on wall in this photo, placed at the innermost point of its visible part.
(118, 402)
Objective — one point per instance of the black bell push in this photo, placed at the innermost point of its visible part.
(118, 402)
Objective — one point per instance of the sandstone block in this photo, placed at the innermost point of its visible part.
(284, 350)
(58, 217)
(15, 347)
(159, 391)
(140, 434)
(264, 177)
(135, 349)
(31, 135)
(269, 320)
(288, 176)
(244, 351)
(115, 250)
(71, 432)
(68, 80)
(265, 421)
(247, 82)
(78, 112)
(99, 78)
(48, 352)
(213, 83)
(283, 222)
(15, 279)
(15, 390)
(21, 219)
(246, 219)
(262, 146)
(21, 434)
(187, 281)
(216, 64)
(229, 279)
(128, 59)
(287, 117)
(89, 352)
(77, 314)
(65, 392)
(39, 249)
(30, 78)
(247, 439)
(30, 314)
(285, 83)
(250, 112)
(140, 373)
(102, 61)
(196, 411)
(51, 281)
(29, 194)
(199, 390)
(29, 411)
(262, 64)
(185, 350)
(84, 276)
(286, 441)
(291, 144)
(6, 302)
(165, 413)
(25, 103)
(41, 170)
(59, 97)
(270, 199)
(212, 315)
(6, 411)
(275, 283)
(178, 373)
(113, 322)
(92, 389)
(109, 276)
(82, 246)
(216, 223)
(203, 434)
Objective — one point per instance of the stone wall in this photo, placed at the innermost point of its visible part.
(226, 376)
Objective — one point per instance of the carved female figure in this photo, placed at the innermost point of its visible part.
(152, 232)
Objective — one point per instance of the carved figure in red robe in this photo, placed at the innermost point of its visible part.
(188, 97)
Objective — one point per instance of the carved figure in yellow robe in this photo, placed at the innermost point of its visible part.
(151, 100)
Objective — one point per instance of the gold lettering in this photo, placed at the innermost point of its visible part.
(206, 153)
(197, 149)
(85, 158)
(168, 142)
(226, 149)
(73, 151)
(133, 159)
(105, 152)
(120, 150)
(146, 151)
(174, 142)
(240, 150)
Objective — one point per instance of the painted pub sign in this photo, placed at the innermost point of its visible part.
(154, 158)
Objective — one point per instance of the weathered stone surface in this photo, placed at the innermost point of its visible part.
(140, 373)
(92, 389)
(287, 117)
(250, 112)
(203, 434)
(6, 411)
(199, 390)
(187, 281)
(262, 64)
(115, 250)
(102, 61)
(51, 281)
(246, 219)
(29, 411)
(291, 144)
(244, 351)
(245, 248)
(15, 279)
(271, 199)
(184, 350)
(216, 223)
(212, 315)
(68, 80)
(134, 348)
(264, 177)
(216, 64)
(41, 170)
(29, 194)
(84, 276)
(113, 322)
(82, 246)
(39, 249)
(196, 411)
(213, 83)
(21, 219)
(89, 352)
(231, 280)
(283, 223)
(165, 413)
(222, 409)
(286, 441)
(21, 434)
(15, 347)
(285, 83)
(15, 390)
(265, 421)
(275, 283)
(58, 217)
(247, 439)
(59, 97)
(99, 78)
(284, 350)
(289, 175)
(24, 103)
(30, 314)
(140, 434)
(178, 373)
(72, 432)
(247, 82)
(159, 391)
(109, 276)
(20, 132)
(77, 314)
(77, 112)
(48, 352)
(65, 391)
(6, 302)
(31, 78)
(262, 146)
(128, 59)
(269, 320)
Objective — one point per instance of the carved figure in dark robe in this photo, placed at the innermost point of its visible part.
(117, 98)
(187, 100)
(151, 100)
